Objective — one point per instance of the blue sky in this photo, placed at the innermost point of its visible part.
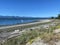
(30, 8)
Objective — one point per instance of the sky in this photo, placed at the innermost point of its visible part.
(30, 8)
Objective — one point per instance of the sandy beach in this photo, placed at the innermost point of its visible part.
(5, 35)
(42, 21)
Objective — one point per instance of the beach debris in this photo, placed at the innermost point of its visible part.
(16, 31)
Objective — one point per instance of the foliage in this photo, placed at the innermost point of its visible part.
(58, 16)
(52, 17)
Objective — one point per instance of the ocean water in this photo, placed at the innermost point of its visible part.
(13, 22)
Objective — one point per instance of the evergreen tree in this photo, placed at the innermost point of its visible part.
(58, 16)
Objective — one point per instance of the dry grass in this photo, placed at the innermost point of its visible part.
(45, 34)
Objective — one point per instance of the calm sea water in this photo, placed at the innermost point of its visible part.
(13, 22)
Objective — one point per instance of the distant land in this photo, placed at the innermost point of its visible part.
(17, 17)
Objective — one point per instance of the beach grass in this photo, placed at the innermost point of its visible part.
(28, 36)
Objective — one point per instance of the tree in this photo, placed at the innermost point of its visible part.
(58, 16)
(52, 17)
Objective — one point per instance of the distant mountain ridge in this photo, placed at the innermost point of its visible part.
(17, 17)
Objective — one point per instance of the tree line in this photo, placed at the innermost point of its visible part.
(58, 17)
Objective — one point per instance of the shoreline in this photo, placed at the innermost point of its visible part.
(33, 23)
(18, 23)
(7, 35)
